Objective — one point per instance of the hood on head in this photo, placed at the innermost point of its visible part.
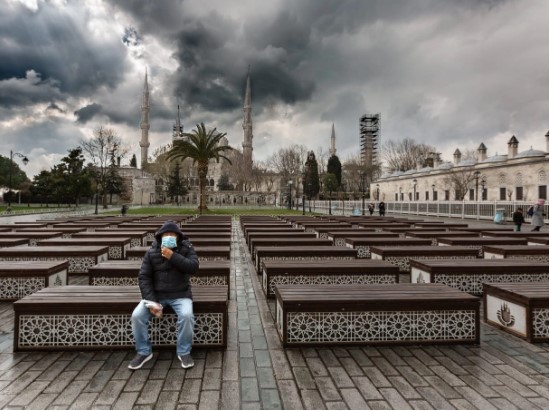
(169, 226)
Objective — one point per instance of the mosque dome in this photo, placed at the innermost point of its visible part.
(496, 158)
(530, 153)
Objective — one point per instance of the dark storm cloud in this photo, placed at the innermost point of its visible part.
(86, 113)
(30, 89)
(55, 44)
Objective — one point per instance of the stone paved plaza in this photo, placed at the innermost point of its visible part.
(255, 372)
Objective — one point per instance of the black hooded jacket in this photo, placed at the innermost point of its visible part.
(161, 278)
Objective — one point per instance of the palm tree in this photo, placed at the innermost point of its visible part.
(201, 147)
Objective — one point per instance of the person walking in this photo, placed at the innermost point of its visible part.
(164, 281)
(382, 209)
(371, 208)
(538, 215)
(518, 219)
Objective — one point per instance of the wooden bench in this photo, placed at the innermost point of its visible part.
(469, 275)
(286, 242)
(537, 241)
(363, 245)
(477, 243)
(441, 224)
(65, 232)
(126, 273)
(91, 318)
(275, 273)
(18, 279)
(519, 309)
(376, 314)
(118, 246)
(252, 237)
(522, 252)
(80, 258)
(137, 238)
(339, 237)
(435, 235)
(217, 253)
(266, 232)
(302, 253)
(324, 232)
(400, 256)
(520, 234)
(32, 236)
(89, 226)
(403, 231)
(13, 242)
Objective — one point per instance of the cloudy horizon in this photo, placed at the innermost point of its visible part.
(445, 73)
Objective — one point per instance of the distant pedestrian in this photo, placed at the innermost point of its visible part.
(123, 210)
(518, 219)
(538, 215)
(371, 208)
(382, 209)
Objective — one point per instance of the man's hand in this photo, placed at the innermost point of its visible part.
(166, 252)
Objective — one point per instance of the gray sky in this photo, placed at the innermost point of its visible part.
(444, 72)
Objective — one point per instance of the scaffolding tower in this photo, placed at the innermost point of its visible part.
(370, 126)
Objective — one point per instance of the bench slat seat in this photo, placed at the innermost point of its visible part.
(537, 241)
(363, 245)
(305, 253)
(526, 252)
(520, 309)
(118, 246)
(339, 237)
(18, 279)
(137, 238)
(88, 318)
(287, 241)
(469, 275)
(275, 273)
(401, 256)
(13, 242)
(207, 253)
(478, 242)
(32, 236)
(80, 258)
(376, 314)
(436, 235)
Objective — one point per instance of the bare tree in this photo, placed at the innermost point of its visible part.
(404, 154)
(101, 149)
(289, 163)
(237, 171)
(460, 180)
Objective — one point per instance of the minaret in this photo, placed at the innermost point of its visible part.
(247, 125)
(144, 125)
(177, 130)
(332, 150)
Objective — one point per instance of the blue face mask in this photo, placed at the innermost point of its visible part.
(169, 242)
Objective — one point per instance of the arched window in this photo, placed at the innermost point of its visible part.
(519, 180)
(542, 176)
(502, 179)
(211, 182)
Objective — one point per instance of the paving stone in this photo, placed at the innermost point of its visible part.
(418, 366)
(5, 399)
(247, 367)
(440, 385)
(249, 390)
(251, 405)
(21, 382)
(259, 342)
(451, 365)
(53, 371)
(59, 383)
(270, 399)
(160, 370)
(167, 400)
(231, 366)
(137, 380)
(371, 351)
(474, 398)
(353, 399)
(212, 379)
(516, 386)
(516, 375)
(316, 367)
(84, 401)
(209, 400)
(280, 364)
(245, 336)
(360, 358)
(289, 395)
(41, 402)
(519, 401)
(125, 400)
(420, 405)
(150, 392)
(110, 393)
(542, 390)
(447, 376)
(384, 366)
(534, 363)
(329, 358)
(367, 388)
(336, 405)
(404, 388)
(266, 379)
(99, 380)
(340, 377)
(479, 386)
(295, 357)
(340, 352)
(502, 403)
(28, 395)
(262, 357)
(462, 404)
(89, 370)
(303, 378)
(412, 376)
(190, 391)
(45, 362)
(115, 360)
(328, 390)
(312, 400)
(423, 357)
(351, 366)
(540, 402)
(376, 376)
(80, 361)
(379, 405)
(434, 398)
(214, 359)
(230, 395)
(482, 375)
(16, 371)
(392, 357)
(174, 380)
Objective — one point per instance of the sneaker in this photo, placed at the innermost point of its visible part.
(186, 361)
(139, 360)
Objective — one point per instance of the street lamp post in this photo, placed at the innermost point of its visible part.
(414, 189)
(433, 192)
(476, 175)
(483, 195)
(363, 193)
(377, 192)
(290, 194)
(25, 161)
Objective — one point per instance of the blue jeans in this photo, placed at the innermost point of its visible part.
(183, 307)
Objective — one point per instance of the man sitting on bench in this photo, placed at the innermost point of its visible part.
(164, 281)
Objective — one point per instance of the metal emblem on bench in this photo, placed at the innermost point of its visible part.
(504, 316)
(420, 279)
